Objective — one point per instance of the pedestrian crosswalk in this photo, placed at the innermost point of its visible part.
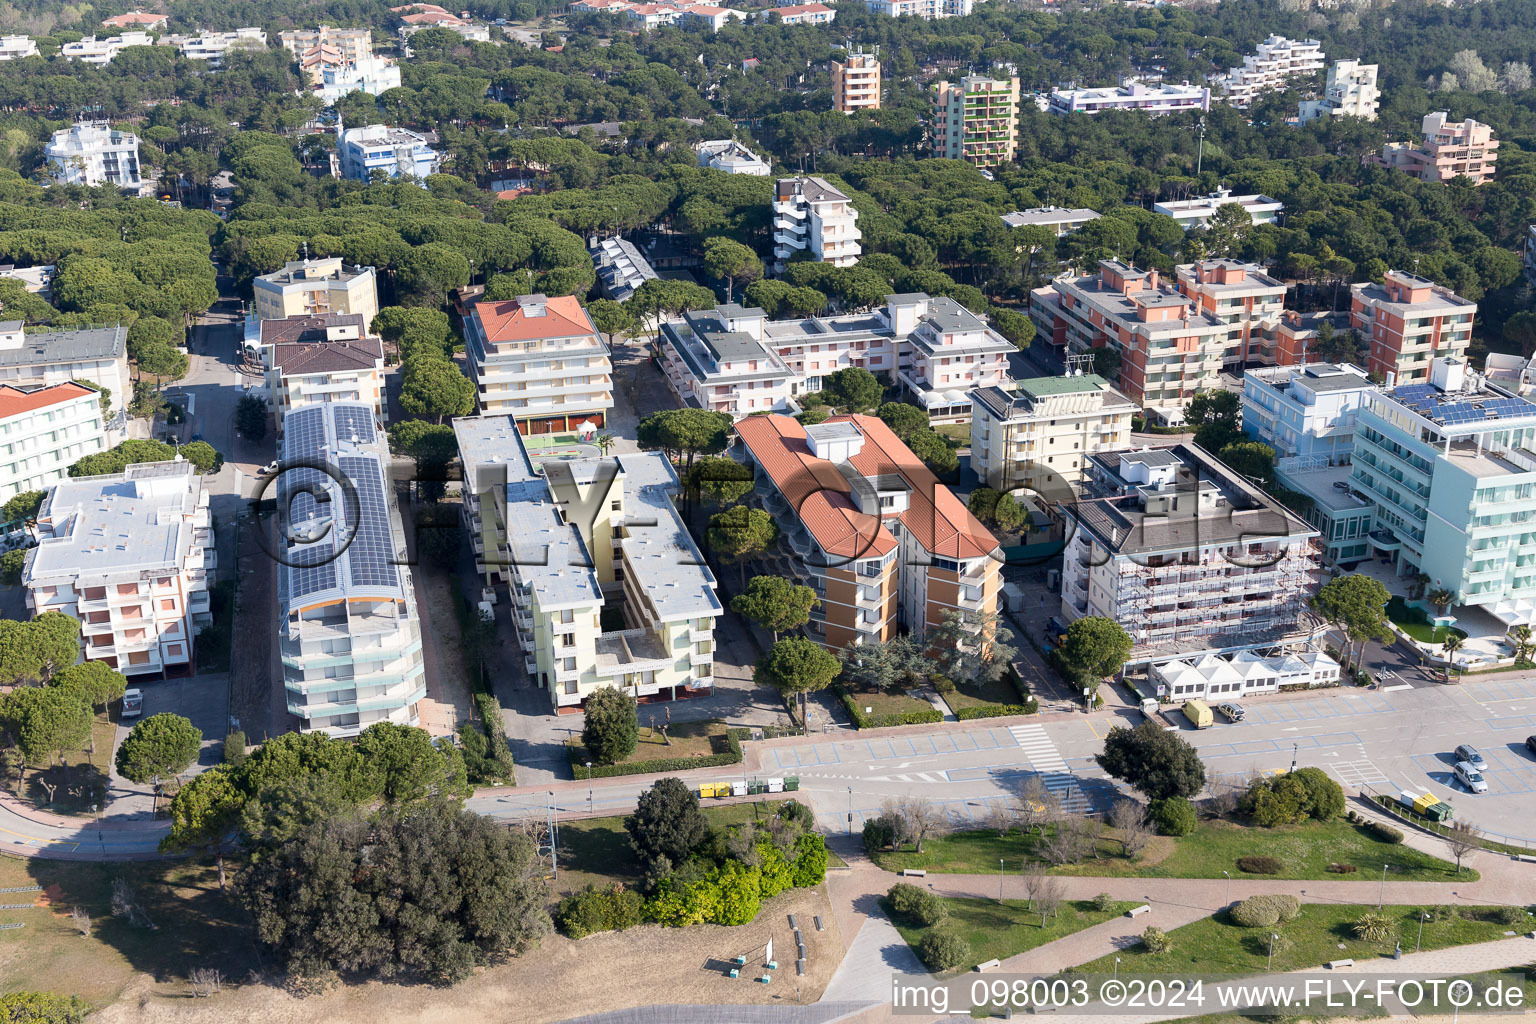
(1046, 760)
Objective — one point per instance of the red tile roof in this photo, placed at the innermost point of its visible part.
(814, 489)
(133, 18)
(794, 9)
(506, 321)
(14, 401)
(296, 358)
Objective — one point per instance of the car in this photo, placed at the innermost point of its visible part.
(1470, 777)
(1234, 712)
(1530, 744)
(1468, 753)
(270, 467)
(133, 703)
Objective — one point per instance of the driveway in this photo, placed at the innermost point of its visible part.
(201, 699)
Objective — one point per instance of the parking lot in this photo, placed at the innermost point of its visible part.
(204, 701)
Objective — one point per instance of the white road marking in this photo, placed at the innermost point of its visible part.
(1399, 686)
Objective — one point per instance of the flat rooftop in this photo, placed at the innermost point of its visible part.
(1485, 406)
(1328, 486)
(136, 520)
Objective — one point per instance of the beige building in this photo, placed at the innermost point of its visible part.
(129, 555)
(353, 44)
(315, 287)
(607, 586)
(541, 361)
(976, 120)
(856, 82)
(1450, 149)
(312, 360)
(58, 355)
(1037, 435)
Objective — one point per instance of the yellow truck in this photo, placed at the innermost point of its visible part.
(1199, 714)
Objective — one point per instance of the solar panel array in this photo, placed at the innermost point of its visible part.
(354, 423)
(370, 559)
(1453, 408)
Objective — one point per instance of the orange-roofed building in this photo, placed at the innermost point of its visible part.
(46, 429)
(136, 19)
(871, 529)
(541, 361)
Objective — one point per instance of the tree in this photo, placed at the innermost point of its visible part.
(1129, 819)
(42, 1008)
(433, 386)
(685, 433)
(1014, 326)
(1463, 839)
(1452, 643)
(1357, 604)
(1520, 640)
(852, 389)
(612, 726)
(903, 419)
(667, 823)
(158, 749)
(1250, 459)
(204, 814)
(431, 446)
(883, 664)
(410, 767)
(1520, 330)
(13, 565)
(203, 456)
(251, 418)
(1335, 346)
(727, 260)
(970, 645)
(1153, 761)
(611, 317)
(935, 452)
(796, 666)
(430, 271)
(740, 533)
(776, 604)
(920, 819)
(1214, 415)
(1095, 647)
(163, 362)
(295, 756)
(47, 722)
(23, 506)
(94, 682)
(719, 479)
(413, 330)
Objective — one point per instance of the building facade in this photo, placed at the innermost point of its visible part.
(372, 75)
(94, 153)
(621, 268)
(541, 361)
(1408, 321)
(45, 429)
(316, 287)
(856, 82)
(732, 157)
(211, 46)
(49, 356)
(17, 47)
(976, 120)
(351, 44)
(812, 216)
(586, 544)
(91, 50)
(391, 152)
(1450, 149)
(1037, 435)
(1240, 295)
(946, 353)
(1277, 61)
(312, 360)
(802, 14)
(1154, 100)
(1197, 213)
(129, 556)
(1351, 91)
(1306, 411)
(1342, 518)
(872, 531)
(928, 10)
(349, 635)
(1060, 220)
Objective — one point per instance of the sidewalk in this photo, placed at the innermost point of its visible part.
(23, 809)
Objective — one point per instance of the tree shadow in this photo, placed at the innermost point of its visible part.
(71, 790)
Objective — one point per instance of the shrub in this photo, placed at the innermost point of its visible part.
(1156, 940)
(943, 951)
(880, 832)
(1260, 865)
(919, 906)
(1510, 915)
(975, 711)
(810, 860)
(1342, 869)
(1373, 927)
(598, 910)
(1174, 816)
(1103, 902)
(1351, 816)
(1265, 911)
(943, 683)
(1383, 833)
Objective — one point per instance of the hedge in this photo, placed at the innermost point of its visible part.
(496, 735)
(660, 765)
(925, 716)
(997, 710)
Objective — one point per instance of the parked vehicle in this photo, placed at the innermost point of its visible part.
(1468, 753)
(1199, 714)
(1530, 744)
(1153, 712)
(270, 467)
(133, 703)
(1233, 712)
(1470, 777)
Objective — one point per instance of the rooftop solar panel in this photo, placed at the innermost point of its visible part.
(371, 556)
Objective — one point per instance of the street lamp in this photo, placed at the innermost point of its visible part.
(999, 879)
(1420, 940)
(1117, 968)
(1229, 889)
(850, 810)
(590, 810)
(1381, 894)
(1273, 938)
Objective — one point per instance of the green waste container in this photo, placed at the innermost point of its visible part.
(791, 783)
(756, 787)
(1438, 812)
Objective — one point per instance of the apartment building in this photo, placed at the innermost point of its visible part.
(58, 355)
(349, 635)
(1185, 555)
(1036, 435)
(1197, 212)
(1168, 348)
(378, 149)
(928, 10)
(312, 287)
(1450, 149)
(352, 45)
(38, 280)
(1408, 321)
(17, 47)
(1342, 518)
(621, 268)
(1451, 468)
(732, 157)
(327, 357)
(45, 429)
(1060, 220)
(1276, 63)
(129, 556)
(1351, 91)
(856, 82)
(469, 31)
(607, 586)
(1152, 99)
(212, 46)
(91, 50)
(94, 153)
(872, 531)
(710, 16)
(976, 120)
(1306, 411)
(539, 360)
(136, 19)
(1292, 337)
(802, 14)
(811, 215)
(1240, 295)
(946, 353)
(1515, 373)
(372, 75)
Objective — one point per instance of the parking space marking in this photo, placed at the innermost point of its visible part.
(1359, 773)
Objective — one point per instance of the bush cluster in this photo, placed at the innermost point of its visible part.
(997, 710)
(599, 910)
(943, 951)
(1342, 869)
(1258, 865)
(732, 893)
(1292, 798)
(1266, 911)
(1174, 816)
(917, 716)
(916, 905)
(1156, 940)
(1383, 833)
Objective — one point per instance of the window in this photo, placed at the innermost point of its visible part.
(168, 604)
(614, 506)
(567, 616)
(127, 589)
(173, 650)
(138, 658)
(567, 639)
(569, 664)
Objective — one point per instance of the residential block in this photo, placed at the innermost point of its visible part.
(1450, 149)
(1350, 92)
(541, 361)
(810, 215)
(1151, 99)
(856, 82)
(1408, 321)
(45, 429)
(315, 287)
(58, 355)
(320, 358)
(94, 153)
(976, 120)
(1271, 68)
(1036, 434)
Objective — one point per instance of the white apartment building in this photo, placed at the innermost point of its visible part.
(94, 153)
(541, 361)
(710, 16)
(801, 14)
(129, 556)
(469, 31)
(383, 149)
(351, 44)
(1060, 220)
(732, 157)
(17, 47)
(58, 355)
(621, 268)
(349, 635)
(45, 429)
(1277, 61)
(578, 539)
(810, 215)
(1185, 555)
(314, 287)
(1036, 435)
(211, 46)
(928, 10)
(1306, 411)
(1350, 92)
(91, 50)
(947, 352)
(1154, 100)
(329, 357)
(372, 75)
(37, 280)
(1197, 213)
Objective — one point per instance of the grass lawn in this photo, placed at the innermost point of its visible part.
(688, 739)
(195, 926)
(960, 432)
(976, 692)
(1306, 851)
(596, 851)
(886, 703)
(1000, 930)
(1416, 622)
(81, 781)
(1217, 945)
